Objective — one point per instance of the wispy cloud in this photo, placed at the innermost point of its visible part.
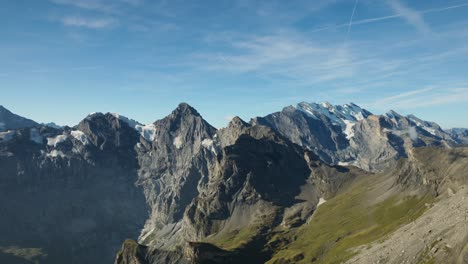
(397, 97)
(108, 6)
(283, 55)
(413, 17)
(86, 4)
(432, 96)
(94, 23)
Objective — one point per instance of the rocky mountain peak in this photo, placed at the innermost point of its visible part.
(185, 109)
(237, 122)
(392, 114)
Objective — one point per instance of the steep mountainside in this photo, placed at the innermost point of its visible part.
(363, 222)
(279, 189)
(10, 121)
(70, 192)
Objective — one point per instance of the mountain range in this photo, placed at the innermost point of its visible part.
(312, 183)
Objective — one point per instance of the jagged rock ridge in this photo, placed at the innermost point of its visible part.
(180, 187)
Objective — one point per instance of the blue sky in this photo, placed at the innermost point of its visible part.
(61, 59)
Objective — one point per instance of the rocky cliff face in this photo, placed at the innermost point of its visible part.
(257, 180)
(172, 169)
(67, 191)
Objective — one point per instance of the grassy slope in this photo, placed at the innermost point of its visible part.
(237, 239)
(339, 226)
(345, 222)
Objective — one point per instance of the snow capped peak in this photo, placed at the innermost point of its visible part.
(94, 114)
(343, 115)
(336, 113)
(326, 104)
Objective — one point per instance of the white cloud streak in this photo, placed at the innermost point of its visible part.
(413, 17)
(423, 98)
(93, 23)
(283, 55)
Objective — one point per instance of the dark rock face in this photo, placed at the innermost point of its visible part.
(321, 135)
(9, 121)
(260, 170)
(75, 200)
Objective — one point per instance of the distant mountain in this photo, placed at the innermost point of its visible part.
(350, 135)
(52, 124)
(461, 134)
(10, 121)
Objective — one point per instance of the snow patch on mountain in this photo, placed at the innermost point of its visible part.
(148, 132)
(209, 144)
(80, 136)
(56, 153)
(54, 141)
(423, 125)
(349, 129)
(321, 201)
(178, 142)
(6, 136)
(345, 115)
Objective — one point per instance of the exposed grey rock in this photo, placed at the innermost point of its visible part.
(172, 169)
(10, 121)
(76, 201)
(350, 135)
(319, 134)
(173, 185)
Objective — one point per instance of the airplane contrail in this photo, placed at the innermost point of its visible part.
(350, 22)
(382, 18)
